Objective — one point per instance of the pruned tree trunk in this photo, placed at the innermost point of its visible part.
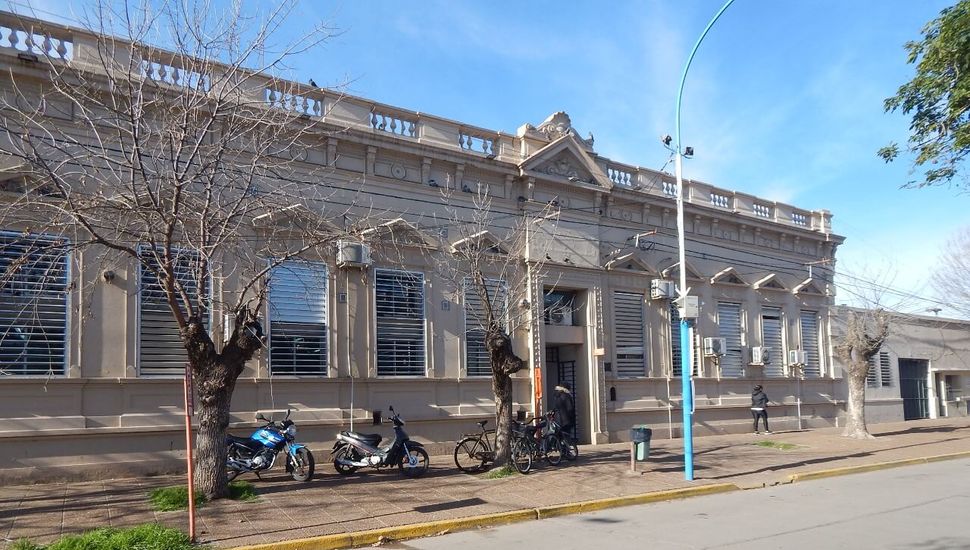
(855, 424)
(504, 364)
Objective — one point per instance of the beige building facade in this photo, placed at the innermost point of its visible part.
(100, 393)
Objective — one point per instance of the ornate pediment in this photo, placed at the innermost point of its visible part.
(556, 126)
(728, 276)
(398, 232)
(483, 241)
(565, 161)
(672, 272)
(771, 282)
(807, 286)
(632, 262)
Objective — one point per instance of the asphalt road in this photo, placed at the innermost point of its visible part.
(924, 507)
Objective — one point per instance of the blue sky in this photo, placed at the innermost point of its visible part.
(784, 99)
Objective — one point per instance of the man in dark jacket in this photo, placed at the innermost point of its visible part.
(565, 407)
(759, 407)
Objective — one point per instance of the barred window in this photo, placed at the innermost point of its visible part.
(160, 348)
(477, 362)
(772, 331)
(298, 319)
(400, 322)
(809, 324)
(628, 334)
(33, 304)
(729, 328)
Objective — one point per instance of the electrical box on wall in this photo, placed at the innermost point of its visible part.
(689, 307)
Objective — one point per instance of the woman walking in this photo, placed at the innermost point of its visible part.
(759, 408)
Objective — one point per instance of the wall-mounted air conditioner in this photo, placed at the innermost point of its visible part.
(561, 315)
(796, 357)
(662, 289)
(760, 355)
(353, 254)
(715, 347)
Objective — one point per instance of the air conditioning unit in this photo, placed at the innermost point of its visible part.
(760, 355)
(662, 289)
(796, 357)
(715, 347)
(353, 254)
(561, 315)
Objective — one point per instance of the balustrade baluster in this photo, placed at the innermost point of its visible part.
(14, 39)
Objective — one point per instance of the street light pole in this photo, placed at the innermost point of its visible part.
(686, 373)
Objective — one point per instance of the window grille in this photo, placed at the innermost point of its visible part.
(298, 319)
(400, 323)
(729, 328)
(628, 334)
(477, 361)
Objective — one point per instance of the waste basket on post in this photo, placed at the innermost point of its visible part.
(640, 449)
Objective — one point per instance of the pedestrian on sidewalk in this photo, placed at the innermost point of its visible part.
(759, 408)
(565, 407)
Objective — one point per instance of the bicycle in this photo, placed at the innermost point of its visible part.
(474, 452)
(532, 442)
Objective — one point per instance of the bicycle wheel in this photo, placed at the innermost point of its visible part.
(553, 449)
(521, 456)
(471, 455)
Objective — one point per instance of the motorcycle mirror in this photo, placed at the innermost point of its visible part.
(391, 407)
(288, 411)
(261, 417)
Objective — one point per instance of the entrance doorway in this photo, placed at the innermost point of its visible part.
(913, 388)
(561, 370)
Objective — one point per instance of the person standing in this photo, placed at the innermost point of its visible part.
(565, 407)
(759, 407)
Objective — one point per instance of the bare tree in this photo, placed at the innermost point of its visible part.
(952, 278)
(184, 161)
(864, 333)
(494, 263)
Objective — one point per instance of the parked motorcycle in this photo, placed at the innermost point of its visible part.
(257, 453)
(353, 450)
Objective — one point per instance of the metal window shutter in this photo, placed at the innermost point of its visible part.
(628, 334)
(675, 356)
(477, 361)
(771, 336)
(885, 370)
(809, 322)
(400, 323)
(872, 375)
(298, 319)
(160, 348)
(33, 304)
(729, 328)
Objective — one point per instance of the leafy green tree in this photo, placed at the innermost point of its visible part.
(938, 98)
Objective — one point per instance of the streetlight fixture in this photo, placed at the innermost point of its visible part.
(684, 301)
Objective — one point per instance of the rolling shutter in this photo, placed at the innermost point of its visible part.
(872, 375)
(400, 323)
(885, 369)
(675, 355)
(477, 362)
(809, 322)
(33, 304)
(729, 328)
(771, 336)
(298, 319)
(628, 333)
(160, 348)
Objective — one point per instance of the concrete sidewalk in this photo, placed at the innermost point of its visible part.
(372, 504)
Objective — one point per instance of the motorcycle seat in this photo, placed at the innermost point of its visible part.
(370, 439)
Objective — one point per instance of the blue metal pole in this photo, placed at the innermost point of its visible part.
(686, 372)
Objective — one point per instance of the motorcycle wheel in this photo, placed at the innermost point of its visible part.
(553, 450)
(415, 463)
(521, 456)
(231, 473)
(344, 454)
(302, 465)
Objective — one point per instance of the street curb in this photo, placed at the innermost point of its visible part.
(834, 472)
(418, 530)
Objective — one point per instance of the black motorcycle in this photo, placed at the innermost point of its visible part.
(257, 453)
(353, 450)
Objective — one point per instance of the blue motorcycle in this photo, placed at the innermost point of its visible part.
(257, 453)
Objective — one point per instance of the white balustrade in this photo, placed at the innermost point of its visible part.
(294, 103)
(762, 210)
(174, 75)
(37, 43)
(393, 124)
(670, 189)
(798, 218)
(620, 177)
(722, 201)
(476, 142)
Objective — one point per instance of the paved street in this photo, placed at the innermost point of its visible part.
(921, 506)
(333, 505)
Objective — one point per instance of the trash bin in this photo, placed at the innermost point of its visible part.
(640, 436)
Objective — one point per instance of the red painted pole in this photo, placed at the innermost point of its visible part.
(189, 398)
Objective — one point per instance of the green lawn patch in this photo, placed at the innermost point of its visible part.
(149, 536)
(497, 473)
(170, 499)
(776, 445)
